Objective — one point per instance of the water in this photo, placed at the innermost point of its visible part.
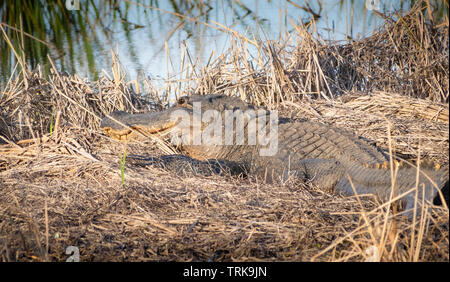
(153, 38)
(154, 49)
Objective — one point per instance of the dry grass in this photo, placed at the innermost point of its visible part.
(408, 56)
(62, 187)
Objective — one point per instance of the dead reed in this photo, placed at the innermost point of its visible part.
(60, 178)
(408, 56)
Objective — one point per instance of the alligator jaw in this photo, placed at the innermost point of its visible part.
(123, 126)
(130, 134)
(120, 135)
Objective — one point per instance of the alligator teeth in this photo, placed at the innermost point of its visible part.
(120, 135)
(147, 131)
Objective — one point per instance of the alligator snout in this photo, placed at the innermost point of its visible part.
(121, 125)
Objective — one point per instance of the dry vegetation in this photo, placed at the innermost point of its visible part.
(60, 177)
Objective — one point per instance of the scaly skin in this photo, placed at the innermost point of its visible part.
(329, 157)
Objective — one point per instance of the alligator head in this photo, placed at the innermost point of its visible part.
(190, 115)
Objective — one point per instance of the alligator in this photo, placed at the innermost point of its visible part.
(330, 158)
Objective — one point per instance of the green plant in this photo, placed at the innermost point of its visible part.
(122, 166)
